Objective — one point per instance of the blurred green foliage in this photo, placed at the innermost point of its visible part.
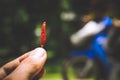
(19, 19)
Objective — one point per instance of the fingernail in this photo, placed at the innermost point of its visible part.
(39, 52)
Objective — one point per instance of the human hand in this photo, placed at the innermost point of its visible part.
(26, 67)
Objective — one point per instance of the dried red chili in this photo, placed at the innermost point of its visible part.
(43, 34)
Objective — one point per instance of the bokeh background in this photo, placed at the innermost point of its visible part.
(20, 24)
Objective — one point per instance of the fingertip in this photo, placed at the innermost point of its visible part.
(40, 49)
(39, 52)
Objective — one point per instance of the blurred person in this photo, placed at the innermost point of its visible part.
(96, 26)
(97, 48)
(26, 67)
(110, 38)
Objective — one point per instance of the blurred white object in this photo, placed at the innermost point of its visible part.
(91, 28)
(68, 16)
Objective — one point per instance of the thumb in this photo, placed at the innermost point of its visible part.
(30, 67)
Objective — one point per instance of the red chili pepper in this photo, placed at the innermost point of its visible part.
(43, 34)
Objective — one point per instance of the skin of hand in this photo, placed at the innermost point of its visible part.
(26, 67)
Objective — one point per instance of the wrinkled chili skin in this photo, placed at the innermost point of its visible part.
(43, 34)
(43, 38)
